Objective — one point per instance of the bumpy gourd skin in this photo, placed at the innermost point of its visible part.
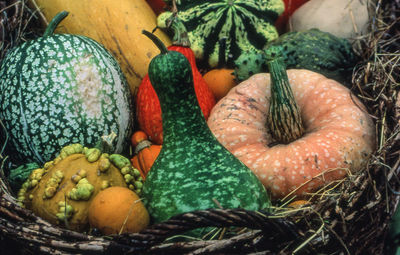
(62, 190)
(193, 170)
(318, 51)
(311, 49)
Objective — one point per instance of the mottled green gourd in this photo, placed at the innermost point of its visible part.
(249, 63)
(60, 89)
(312, 49)
(193, 170)
(248, 25)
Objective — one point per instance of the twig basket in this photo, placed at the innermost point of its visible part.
(350, 216)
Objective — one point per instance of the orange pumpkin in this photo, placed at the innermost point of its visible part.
(118, 210)
(338, 134)
(145, 152)
(220, 81)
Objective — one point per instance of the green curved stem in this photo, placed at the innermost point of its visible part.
(160, 45)
(54, 23)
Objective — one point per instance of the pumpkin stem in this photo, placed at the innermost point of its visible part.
(54, 23)
(160, 45)
(284, 118)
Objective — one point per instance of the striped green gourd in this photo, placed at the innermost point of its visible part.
(60, 89)
(193, 170)
(247, 25)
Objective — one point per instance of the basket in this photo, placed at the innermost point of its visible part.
(350, 216)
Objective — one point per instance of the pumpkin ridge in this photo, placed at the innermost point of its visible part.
(285, 168)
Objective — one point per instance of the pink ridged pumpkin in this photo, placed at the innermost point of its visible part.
(338, 139)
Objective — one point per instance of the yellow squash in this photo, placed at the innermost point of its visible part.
(116, 24)
(61, 191)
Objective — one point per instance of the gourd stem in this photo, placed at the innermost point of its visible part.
(160, 45)
(54, 23)
(284, 119)
(105, 144)
(180, 33)
(141, 145)
(176, 25)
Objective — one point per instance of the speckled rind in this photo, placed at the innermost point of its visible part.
(47, 102)
(339, 134)
(247, 24)
(193, 170)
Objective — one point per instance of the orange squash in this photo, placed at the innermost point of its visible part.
(338, 136)
(131, 215)
(220, 81)
(145, 152)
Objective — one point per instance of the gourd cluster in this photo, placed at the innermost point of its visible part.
(232, 104)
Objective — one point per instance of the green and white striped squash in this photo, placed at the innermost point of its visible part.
(247, 25)
(61, 89)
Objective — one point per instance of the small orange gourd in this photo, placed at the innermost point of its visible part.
(118, 210)
(335, 136)
(220, 81)
(145, 152)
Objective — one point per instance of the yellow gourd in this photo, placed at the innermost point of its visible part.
(115, 24)
(63, 189)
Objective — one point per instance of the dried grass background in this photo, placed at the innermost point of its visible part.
(350, 216)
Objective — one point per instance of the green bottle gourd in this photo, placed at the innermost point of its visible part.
(193, 170)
